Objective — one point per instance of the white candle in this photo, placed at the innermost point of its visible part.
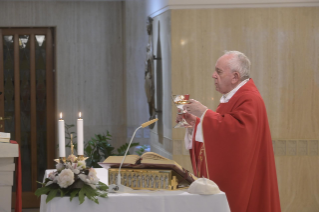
(80, 135)
(61, 137)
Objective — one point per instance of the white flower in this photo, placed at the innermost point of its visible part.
(53, 179)
(68, 165)
(72, 158)
(49, 183)
(73, 167)
(91, 179)
(59, 166)
(81, 165)
(65, 178)
(92, 176)
(52, 176)
(85, 179)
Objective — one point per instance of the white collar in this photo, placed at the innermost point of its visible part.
(226, 97)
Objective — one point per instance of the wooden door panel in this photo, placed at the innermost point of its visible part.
(28, 98)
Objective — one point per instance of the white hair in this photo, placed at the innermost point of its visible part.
(239, 62)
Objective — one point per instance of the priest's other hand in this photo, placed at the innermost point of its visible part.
(189, 118)
(195, 108)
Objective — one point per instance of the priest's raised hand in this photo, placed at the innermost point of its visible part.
(195, 108)
(189, 118)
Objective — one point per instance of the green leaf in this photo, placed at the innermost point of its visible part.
(51, 195)
(96, 200)
(81, 196)
(88, 149)
(74, 193)
(43, 184)
(66, 191)
(61, 193)
(90, 193)
(43, 190)
(102, 194)
(102, 186)
(121, 150)
(89, 162)
(141, 150)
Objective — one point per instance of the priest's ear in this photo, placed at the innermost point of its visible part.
(236, 77)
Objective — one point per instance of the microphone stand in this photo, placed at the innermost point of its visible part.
(118, 187)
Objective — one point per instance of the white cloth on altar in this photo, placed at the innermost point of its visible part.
(155, 201)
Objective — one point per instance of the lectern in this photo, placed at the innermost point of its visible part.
(7, 153)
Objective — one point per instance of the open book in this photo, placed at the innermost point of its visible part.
(148, 160)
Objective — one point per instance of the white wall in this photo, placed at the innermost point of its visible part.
(90, 72)
(136, 38)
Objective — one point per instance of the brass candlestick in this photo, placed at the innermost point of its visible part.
(60, 159)
(72, 146)
(82, 158)
(72, 157)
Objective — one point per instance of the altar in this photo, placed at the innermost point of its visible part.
(145, 201)
(8, 152)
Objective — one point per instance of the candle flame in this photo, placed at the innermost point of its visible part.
(80, 114)
(60, 115)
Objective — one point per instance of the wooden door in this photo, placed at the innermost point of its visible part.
(27, 103)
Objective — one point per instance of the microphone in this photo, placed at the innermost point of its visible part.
(118, 187)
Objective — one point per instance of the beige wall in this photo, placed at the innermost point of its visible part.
(90, 74)
(282, 44)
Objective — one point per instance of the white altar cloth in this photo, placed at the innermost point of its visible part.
(148, 201)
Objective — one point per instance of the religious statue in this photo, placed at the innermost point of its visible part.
(149, 73)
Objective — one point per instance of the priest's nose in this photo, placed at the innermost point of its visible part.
(214, 75)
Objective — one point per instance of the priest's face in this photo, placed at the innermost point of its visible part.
(223, 76)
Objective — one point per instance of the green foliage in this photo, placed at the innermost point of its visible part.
(74, 193)
(99, 148)
(141, 150)
(51, 195)
(45, 190)
(54, 190)
(121, 150)
(101, 186)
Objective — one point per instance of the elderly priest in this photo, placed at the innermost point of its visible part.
(232, 146)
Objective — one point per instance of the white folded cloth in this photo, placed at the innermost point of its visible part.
(203, 186)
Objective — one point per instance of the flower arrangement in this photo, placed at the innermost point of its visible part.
(73, 178)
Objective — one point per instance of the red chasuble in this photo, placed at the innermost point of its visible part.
(237, 152)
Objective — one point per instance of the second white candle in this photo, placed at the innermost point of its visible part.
(80, 140)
